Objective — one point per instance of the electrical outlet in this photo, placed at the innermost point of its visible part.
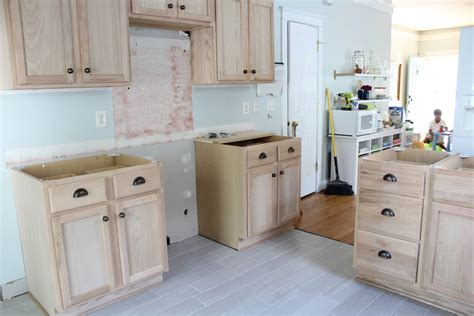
(246, 107)
(270, 105)
(256, 105)
(101, 119)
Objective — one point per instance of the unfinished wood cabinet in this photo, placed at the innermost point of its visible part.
(449, 251)
(246, 191)
(289, 183)
(138, 225)
(42, 38)
(92, 230)
(239, 49)
(103, 32)
(85, 253)
(262, 199)
(197, 10)
(176, 14)
(63, 43)
(261, 40)
(162, 8)
(413, 231)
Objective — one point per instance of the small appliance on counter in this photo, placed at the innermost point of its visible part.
(355, 123)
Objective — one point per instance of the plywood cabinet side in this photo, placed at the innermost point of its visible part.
(221, 192)
(7, 71)
(36, 240)
(203, 56)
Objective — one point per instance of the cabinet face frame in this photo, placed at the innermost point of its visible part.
(187, 13)
(87, 55)
(264, 66)
(60, 248)
(266, 193)
(156, 200)
(160, 9)
(241, 46)
(283, 194)
(434, 259)
(68, 49)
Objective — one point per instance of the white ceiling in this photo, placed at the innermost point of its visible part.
(423, 15)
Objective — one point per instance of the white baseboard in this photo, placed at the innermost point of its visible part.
(14, 288)
(323, 185)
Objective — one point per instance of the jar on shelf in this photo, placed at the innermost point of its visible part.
(358, 61)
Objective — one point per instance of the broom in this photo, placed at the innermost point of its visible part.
(336, 187)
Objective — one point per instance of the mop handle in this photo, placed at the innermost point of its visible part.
(331, 123)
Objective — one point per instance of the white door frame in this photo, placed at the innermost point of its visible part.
(292, 15)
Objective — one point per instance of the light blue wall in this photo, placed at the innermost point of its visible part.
(40, 119)
(217, 106)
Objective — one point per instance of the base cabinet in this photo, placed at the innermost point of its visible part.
(92, 230)
(84, 254)
(418, 245)
(450, 252)
(248, 186)
(141, 237)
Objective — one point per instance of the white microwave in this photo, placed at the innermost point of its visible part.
(355, 123)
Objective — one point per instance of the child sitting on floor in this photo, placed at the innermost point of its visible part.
(436, 125)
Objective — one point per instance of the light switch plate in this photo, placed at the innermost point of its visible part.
(256, 106)
(101, 119)
(270, 105)
(245, 108)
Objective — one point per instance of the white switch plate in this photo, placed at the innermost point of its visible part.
(256, 105)
(246, 108)
(101, 119)
(270, 105)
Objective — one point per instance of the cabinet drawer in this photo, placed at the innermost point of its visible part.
(288, 149)
(392, 178)
(135, 182)
(77, 194)
(385, 254)
(390, 214)
(454, 188)
(261, 154)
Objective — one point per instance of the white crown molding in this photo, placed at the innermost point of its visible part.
(379, 5)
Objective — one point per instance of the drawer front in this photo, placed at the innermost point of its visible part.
(390, 214)
(454, 189)
(385, 254)
(136, 182)
(77, 194)
(261, 155)
(288, 149)
(392, 178)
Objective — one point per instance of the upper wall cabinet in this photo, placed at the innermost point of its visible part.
(103, 30)
(64, 43)
(239, 49)
(181, 14)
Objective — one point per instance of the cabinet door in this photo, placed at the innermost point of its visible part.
(449, 250)
(262, 199)
(289, 175)
(262, 60)
(43, 41)
(103, 29)
(84, 254)
(163, 8)
(142, 237)
(232, 40)
(198, 10)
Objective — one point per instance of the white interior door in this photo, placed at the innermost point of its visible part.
(303, 97)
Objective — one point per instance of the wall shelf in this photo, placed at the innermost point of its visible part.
(351, 74)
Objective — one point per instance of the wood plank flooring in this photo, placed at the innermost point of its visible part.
(331, 216)
(294, 273)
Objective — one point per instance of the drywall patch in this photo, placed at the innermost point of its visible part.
(159, 100)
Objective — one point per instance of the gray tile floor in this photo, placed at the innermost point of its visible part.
(295, 273)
